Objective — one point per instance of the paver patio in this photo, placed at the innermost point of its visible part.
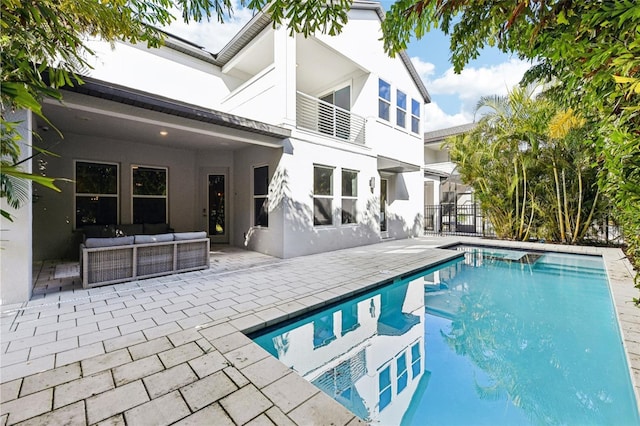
(172, 350)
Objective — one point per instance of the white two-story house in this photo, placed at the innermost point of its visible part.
(281, 144)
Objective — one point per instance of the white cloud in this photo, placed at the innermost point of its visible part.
(472, 83)
(212, 35)
(435, 118)
(425, 69)
(465, 88)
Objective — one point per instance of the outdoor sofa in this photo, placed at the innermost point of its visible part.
(110, 260)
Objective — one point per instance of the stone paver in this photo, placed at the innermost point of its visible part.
(81, 389)
(204, 416)
(136, 370)
(159, 412)
(29, 406)
(208, 390)
(116, 401)
(50, 378)
(172, 349)
(169, 380)
(245, 404)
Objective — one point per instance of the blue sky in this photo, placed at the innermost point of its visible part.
(454, 96)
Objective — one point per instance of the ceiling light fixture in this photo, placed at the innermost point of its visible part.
(163, 133)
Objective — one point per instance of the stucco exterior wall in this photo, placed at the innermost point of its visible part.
(16, 274)
(266, 240)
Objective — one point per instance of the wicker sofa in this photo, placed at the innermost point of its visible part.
(113, 260)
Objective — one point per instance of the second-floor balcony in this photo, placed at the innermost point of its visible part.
(325, 118)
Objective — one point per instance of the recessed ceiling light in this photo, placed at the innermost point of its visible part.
(163, 133)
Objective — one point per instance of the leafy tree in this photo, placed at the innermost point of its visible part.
(43, 48)
(527, 162)
(589, 50)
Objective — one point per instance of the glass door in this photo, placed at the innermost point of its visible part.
(217, 219)
(383, 205)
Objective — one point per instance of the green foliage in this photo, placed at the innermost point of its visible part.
(529, 168)
(589, 50)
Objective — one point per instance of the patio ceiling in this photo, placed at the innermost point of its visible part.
(89, 115)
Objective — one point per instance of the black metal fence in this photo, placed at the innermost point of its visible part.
(468, 219)
(456, 219)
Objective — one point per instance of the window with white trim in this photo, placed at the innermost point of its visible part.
(322, 195)
(261, 196)
(349, 196)
(401, 109)
(149, 201)
(401, 370)
(384, 388)
(384, 99)
(415, 116)
(415, 360)
(96, 193)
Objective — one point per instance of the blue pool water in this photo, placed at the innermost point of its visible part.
(499, 337)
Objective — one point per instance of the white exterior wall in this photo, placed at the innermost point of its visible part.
(265, 240)
(162, 71)
(15, 237)
(360, 42)
(300, 235)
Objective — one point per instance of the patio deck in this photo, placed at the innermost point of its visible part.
(172, 350)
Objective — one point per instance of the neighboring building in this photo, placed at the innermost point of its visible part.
(284, 145)
(444, 193)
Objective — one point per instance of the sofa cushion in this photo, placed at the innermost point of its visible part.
(155, 228)
(108, 242)
(133, 229)
(182, 236)
(158, 238)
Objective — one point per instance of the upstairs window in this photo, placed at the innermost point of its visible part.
(260, 196)
(384, 388)
(401, 370)
(149, 194)
(322, 195)
(96, 193)
(401, 110)
(415, 116)
(349, 196)
(384, 99)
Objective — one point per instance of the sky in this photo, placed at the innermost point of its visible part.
(453, 96)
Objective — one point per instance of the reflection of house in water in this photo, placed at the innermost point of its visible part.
(443, 290)
(368, 355)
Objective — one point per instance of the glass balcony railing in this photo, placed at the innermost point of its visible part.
(323, 117)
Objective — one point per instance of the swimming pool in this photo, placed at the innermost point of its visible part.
(499, 337)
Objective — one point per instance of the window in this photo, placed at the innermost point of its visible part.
(415, 116)
(349, 196)
(260, 196)
(334, 121)
(149, 194)
(322, 195)
(384, 388)
(415, 360)
(384, 99)
(401, 364)
(96, 193)
(323, 331)
(401, 111)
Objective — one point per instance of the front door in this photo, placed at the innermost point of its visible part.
(217, 208)
(383, 206)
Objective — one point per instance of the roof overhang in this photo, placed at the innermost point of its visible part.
(128, 96)
(391, 165)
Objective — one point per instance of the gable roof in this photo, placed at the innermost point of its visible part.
(442, 134)
(258, 23)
